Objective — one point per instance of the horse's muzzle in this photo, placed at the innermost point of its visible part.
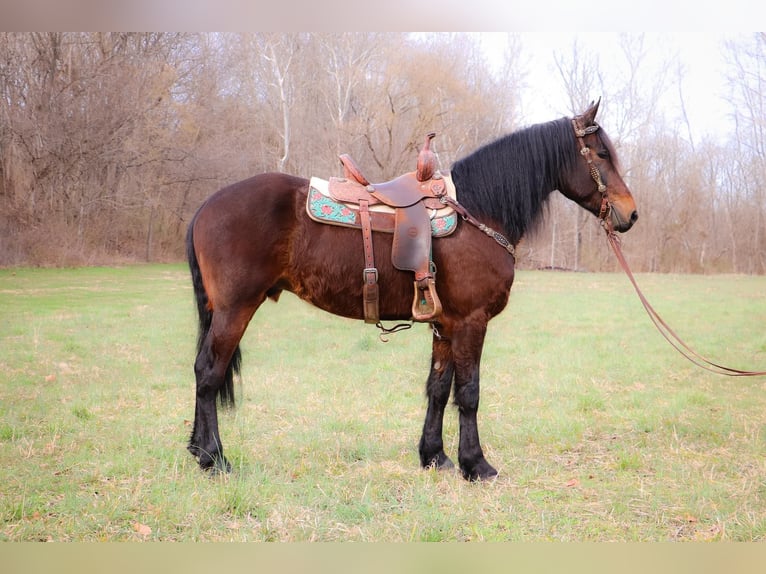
(622, 223)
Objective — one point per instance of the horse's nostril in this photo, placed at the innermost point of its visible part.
(634, 217)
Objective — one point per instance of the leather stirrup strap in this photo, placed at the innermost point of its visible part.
(370, 273)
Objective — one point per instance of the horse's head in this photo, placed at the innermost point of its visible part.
(595, 183)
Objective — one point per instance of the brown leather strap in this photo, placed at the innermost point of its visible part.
(370, 273)
(463, 212)
(665, 330)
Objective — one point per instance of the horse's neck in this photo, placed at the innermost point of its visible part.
(506, 204)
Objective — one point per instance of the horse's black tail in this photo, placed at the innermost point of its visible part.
(205, 315)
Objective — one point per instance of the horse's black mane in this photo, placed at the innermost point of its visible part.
(510, 179)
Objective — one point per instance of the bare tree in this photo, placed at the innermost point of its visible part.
(581, 77)
(280, 50)
(748, 97)
(348, 60)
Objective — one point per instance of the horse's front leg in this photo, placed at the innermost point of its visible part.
(437, 390)
(467, 344)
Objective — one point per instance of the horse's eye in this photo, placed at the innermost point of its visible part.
(603, 153)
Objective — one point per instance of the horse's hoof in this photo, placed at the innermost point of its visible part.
(213, 465)
(217, 471)
(221, 466)
(480, 471)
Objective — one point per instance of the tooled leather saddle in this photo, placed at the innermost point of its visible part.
(409, 206)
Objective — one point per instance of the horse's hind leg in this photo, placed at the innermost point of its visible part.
(437, 389)
(212, 369)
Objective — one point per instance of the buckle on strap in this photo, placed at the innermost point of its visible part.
(370, 271)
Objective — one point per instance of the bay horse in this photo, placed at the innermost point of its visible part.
(253, 239)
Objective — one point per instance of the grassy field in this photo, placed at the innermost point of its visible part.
(599, 430)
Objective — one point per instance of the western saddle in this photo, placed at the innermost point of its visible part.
(413, 196)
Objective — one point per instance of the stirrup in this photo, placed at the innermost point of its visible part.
(425, 304)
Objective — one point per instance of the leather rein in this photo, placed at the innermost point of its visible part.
(614, 241)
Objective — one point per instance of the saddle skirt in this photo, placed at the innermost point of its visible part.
(322, 207)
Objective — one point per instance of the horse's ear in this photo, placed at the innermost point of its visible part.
(589, 115)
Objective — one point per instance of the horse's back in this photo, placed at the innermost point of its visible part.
(254, 205)
(254, 198)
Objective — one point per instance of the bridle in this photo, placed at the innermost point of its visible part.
(614, 241)
(606, 207)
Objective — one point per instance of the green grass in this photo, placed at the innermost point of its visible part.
(599, 429)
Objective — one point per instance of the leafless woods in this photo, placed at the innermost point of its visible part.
(109, 141)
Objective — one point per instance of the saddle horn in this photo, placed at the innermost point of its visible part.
(426, 160)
